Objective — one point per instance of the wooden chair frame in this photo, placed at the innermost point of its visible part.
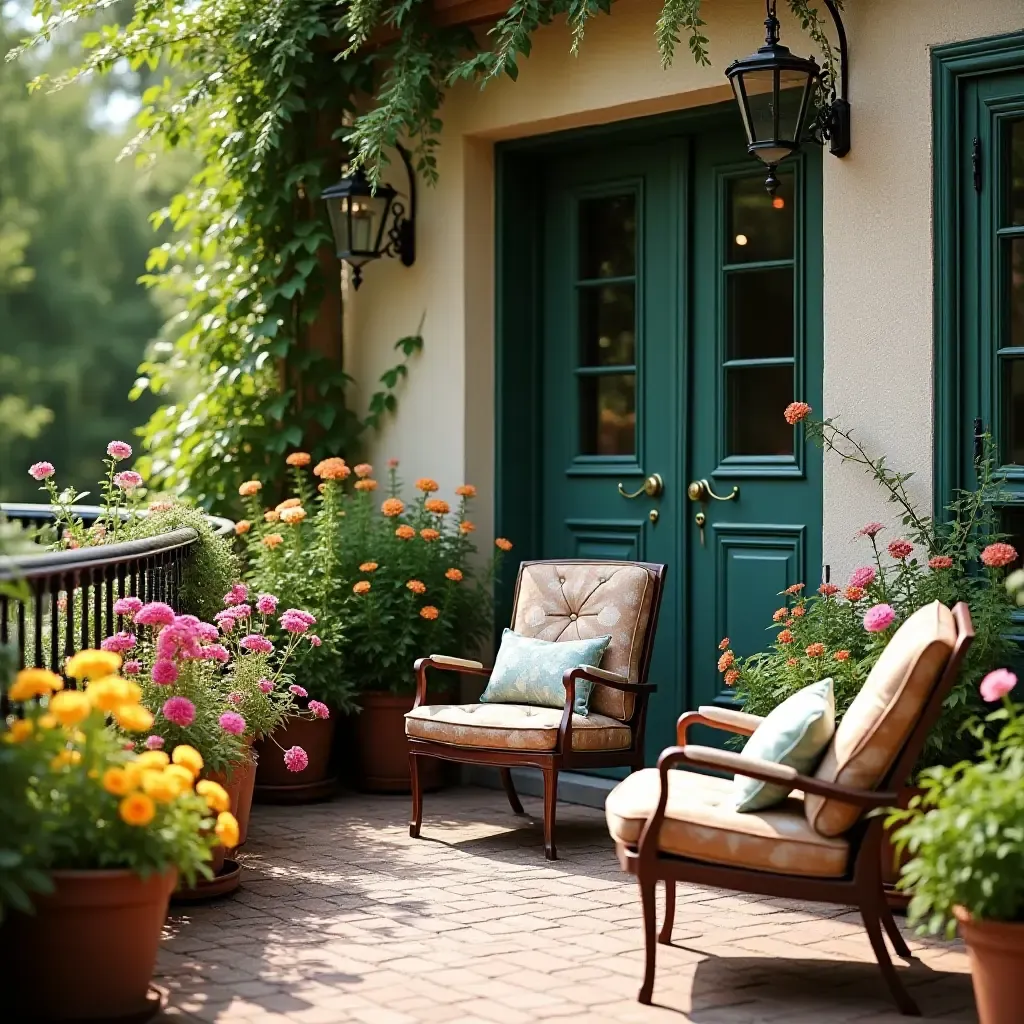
(861, 886)
(563, 757)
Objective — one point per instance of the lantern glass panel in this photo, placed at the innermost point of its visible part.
(357, 223)
(777, 112)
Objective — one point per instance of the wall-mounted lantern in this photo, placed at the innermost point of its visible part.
(368, 224)
(775, 90)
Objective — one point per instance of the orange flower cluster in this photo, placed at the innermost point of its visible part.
(795, 589)
(362, 587)
(724, 645)
(726, 661)
(785, 637)
(466, 491)
(299, 459)
(392, 507)
(293, 516)
(363, 470)
(455, 575)
(799, 612)
(732, 677)
(428, 611)
(467, 527)
(271, 515)
(841, 656)
(416, 586)
(426, 485)
(272, 540)
(853, 593)
(779, 614)
(815, 650)
(242, 526)
(828, 590)
(428, 534)
(501, 543)
(331, 469)
(366, 485)
(795, 412)
(249, 488)
(438, 506)
(368, 567)
(289, 503)
(405, 532)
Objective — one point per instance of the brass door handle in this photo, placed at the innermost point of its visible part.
(653, 486)
(700, 490)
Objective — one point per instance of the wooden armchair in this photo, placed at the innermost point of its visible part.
(821, 844)
(555, 600)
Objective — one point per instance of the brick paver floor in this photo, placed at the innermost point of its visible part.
(342, 917)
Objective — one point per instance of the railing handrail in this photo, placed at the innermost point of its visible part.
(89, 513)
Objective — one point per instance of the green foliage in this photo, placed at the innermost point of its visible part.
(966, 833)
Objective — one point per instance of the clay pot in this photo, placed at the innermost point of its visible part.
(240, 789)
(275, 783)
(381, 747)
(88, 952)
(996, 952)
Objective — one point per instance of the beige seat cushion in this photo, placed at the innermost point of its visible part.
(511, 727)
(579, 600)
(882, 715)
(701, 823)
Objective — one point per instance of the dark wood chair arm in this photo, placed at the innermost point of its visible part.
(443, 664)
(716, 718)
(595, 675)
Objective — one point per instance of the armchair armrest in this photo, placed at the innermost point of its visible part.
(444, 663)
(447, 661)
(724, 719)
(594, 675)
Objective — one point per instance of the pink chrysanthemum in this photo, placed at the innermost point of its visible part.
(154, 742)
(120, 642)
(879, 618)
(131, 668)
(862, 577)
(119, 450)
(232, 722)
(870, 530)
(266, 685)
(215, 652)
(900, 549)
(41, 470)
(179, 711)
(128, 480)
(238, 611)
(296, 759)
(310, 620)
(319, 709)
(293, 624)
(237, 594)
(256, 643)
(127, 606)
(997, 684)
(996, 556)
(156, 613)
(266, 604)
(207, 631)
(314, 640)
(299, 691)
(164, 672)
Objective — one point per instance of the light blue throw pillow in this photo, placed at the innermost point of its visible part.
(795, 734)
(529, 671)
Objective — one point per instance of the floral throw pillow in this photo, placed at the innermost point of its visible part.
(529, 671)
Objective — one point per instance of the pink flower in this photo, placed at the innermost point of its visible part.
(862, 577)
(314, 640)
(266, 685)
(237, 594)
(123, 641)
(795, 412)
(900, 549)
(119, 450)
(297, 690)
(995, 556)
(878, 618)
(266, 604)
(207, 631)
(232, 722)
(164, 672)
(127, 606)
(131, 668)
(870, 530)
(154, 742)
(41, 470)
(298, 613)
(179, 711)
(295, 759)
(215, 652)
(179, 639)
(156, 613)
(319, 709)
(256, 643)
(238, 611)
(997, 684)
(940, 562)
(128, 480)
(293, 623)
(235, 697)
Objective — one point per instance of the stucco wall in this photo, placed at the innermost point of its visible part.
(877, 227)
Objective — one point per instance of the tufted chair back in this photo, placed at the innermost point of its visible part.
(576, 600)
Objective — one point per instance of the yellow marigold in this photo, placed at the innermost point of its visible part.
(160, 786)
(366, 485)
(293, 516)
(289, 503)
(92, 664)
(363, 470)
(118, 781)
(111, 692)
(152, 759)
(392, 507)
(428, 534)
(182, 777)
(466, 491)
(34, 682)
(242, 526)
(455, 575)
(66, 758)
(137, 809)
(500, 543)
(368, 567)
(272, 540)
(428, 611)
(188, 757)
(227, 829)
(426, 485)
(299, 459)
(271, 515)
(249, 488)
(416, 586)
(405, 532)
(362, 587)
(47, 721)
(133, 717)
(438, 506)
(466, 526)
(215, 795)
(19, 731)
(332, 469)
(69, 707)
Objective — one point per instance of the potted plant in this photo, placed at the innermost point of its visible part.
(965, 838)
(95, 838)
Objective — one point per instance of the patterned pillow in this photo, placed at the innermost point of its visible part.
(529, 671)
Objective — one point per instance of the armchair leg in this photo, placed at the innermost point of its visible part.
(665, 938)
(899, 944)
(550, 803)
(872, 917)
(416, 818)
(650, 946)
(510, 790)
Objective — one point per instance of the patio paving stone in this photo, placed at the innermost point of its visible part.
(343, 918)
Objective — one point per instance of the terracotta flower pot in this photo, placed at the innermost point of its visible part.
(88, 952)
(381, 747)
(242, 783)
(996, 952)
(275, 783)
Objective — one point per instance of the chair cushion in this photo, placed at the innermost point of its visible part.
(528, 670)
(881, 717)
(511, 727)
(579, 600)
(701, 822)
(796, 734)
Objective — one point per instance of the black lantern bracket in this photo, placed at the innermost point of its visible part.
(402, 233)
(833, 122)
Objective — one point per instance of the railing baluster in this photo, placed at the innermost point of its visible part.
(97, 613)
(37, 624)
(85, 585)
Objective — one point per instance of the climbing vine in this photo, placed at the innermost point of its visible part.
(272, 96)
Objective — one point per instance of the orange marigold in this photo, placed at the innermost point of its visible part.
(368, 567)
(299, 459)
(366, 485)
(815, 650)
(271, 515)
(293, 516)
(363, 470)
(466, 491)
(779, 614)
(392, 507)
(426, 485)
(273, 539)
(724, 645)
(502, 544)
(853, 593)
(795, 589)
(841, 656)
(242, 526)
(732, 677)
(467, 527)
(795, 412)
(799, 612)
(791, 662)
(725, 662)
(289, 503)
(416, 586)
(428, 534)
(997, 555)
(249, 488)
(428, 611)
(438, 506)
(785, 637)
(332, 469)
(405, 532)
(828, 590)
(455, 575)
(362, 587)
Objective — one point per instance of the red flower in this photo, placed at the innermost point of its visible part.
(940, 562)
(853, 593)
(995, 556)
(795, 412)
(900, 549)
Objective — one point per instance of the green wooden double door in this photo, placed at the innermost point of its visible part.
(681, 313)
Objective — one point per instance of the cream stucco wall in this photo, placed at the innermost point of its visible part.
(877, 235)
